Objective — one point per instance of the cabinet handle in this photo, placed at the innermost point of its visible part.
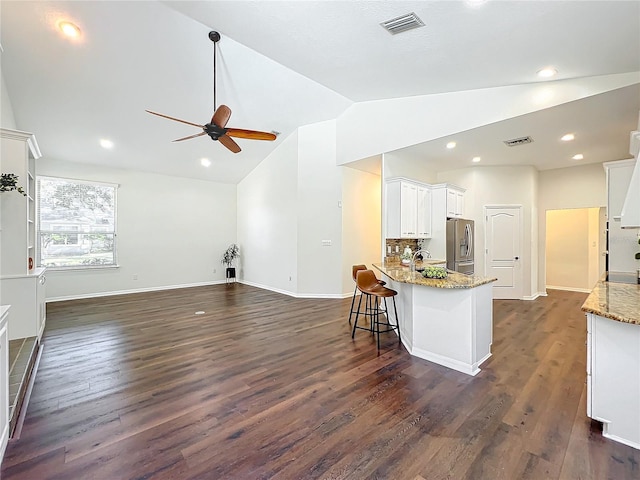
(43, 280)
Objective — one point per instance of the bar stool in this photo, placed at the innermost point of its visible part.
(354, 271)
(368, 284)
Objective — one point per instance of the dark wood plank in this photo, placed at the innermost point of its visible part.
(266, 386)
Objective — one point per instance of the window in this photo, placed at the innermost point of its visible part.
(76, 223)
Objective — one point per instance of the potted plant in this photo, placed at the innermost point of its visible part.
(228, 257)
(9, 182)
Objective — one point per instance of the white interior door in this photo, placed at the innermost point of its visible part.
(503, 229)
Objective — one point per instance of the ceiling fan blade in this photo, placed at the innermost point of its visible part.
(190, 136)
(176, 119)
(250, 134)
(221, 116)
(229, 143)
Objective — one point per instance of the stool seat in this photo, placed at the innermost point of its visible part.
(354, 273)
(373, 290)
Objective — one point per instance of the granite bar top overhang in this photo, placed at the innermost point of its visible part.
(617, 301)
(404, 274)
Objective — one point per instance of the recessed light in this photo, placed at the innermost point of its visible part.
(105, 143)
(69, 29)
(451, 145)
(568, 137)
(205, 162)
(476, 159)
(547, 72)
(579, 156)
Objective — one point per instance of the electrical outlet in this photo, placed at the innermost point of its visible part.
(214, 270)
(326, 243)
(135, 276)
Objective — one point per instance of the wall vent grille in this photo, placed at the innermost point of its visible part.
(514, 142)
(402, 23)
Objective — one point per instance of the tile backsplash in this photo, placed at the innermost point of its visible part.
(400, 243)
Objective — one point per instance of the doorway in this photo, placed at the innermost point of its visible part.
(575, 247)
(503, 255)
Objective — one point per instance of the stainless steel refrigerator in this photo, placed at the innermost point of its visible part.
(460, 245)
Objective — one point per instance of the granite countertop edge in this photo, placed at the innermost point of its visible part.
(616, 301)
(454, 280)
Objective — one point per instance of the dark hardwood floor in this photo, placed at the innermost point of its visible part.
(263, 386)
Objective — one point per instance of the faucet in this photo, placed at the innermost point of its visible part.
(413, 259)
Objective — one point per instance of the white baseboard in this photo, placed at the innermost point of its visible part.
(126, 292)
(534, 296)
(569, 289)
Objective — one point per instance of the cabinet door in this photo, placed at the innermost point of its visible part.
(424, 212)
(408, 212)
(451, 203)
(460, 204)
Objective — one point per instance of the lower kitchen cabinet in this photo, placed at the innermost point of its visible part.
(613, 378)
(26, 295)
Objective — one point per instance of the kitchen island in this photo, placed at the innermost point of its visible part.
(613, 359)
(446, 321)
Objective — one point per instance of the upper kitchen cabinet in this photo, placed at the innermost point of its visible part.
(18, 223)
(455, 202)
(630, 213)
(448, 199)
(408, 209)
(623, 242)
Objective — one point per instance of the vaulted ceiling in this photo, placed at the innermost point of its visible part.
(284, 64)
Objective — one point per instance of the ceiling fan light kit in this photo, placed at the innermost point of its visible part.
(216, 129)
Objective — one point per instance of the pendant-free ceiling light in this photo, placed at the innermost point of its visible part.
(69, 29)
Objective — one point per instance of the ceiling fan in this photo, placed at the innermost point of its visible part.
(217, 127)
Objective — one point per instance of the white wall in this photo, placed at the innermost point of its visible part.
(395, 165)
(267, 220)
(319, 213)
(361, 222)
(171, 232)
(7, 119)
(500, 186)
(564, 188)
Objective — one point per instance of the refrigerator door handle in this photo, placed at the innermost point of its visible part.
(470, 241)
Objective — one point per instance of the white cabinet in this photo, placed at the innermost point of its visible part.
(613, 383)
(18, 223)
(4, 380)
(424, 212)
(455, 202)
(623, 243)
(28, 303)
(408, 209)
(21, 283)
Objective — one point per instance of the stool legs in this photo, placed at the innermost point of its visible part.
(353, 301)
(373, 310)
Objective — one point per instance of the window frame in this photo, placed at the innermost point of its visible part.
(40, 232)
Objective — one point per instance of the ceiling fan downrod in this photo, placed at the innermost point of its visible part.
(214, 37)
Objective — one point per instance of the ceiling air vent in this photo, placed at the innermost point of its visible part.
(403, 23)
(518, 141)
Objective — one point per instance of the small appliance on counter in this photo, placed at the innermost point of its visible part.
(460, 245)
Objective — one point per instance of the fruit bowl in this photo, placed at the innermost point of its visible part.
(434, 272)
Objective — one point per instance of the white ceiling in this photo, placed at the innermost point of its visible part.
(285, 64)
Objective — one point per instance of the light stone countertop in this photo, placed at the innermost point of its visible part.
(404, 274)
(617, 301)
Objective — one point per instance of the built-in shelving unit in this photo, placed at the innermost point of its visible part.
(21, 281)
